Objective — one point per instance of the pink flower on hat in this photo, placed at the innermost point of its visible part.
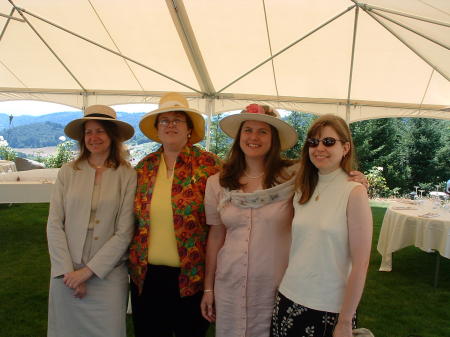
(255, 109)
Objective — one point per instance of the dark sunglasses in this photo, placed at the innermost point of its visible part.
(327, 141)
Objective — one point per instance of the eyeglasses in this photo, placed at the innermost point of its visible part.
(167, 122)
(327, 141)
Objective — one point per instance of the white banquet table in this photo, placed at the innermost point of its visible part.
(27, 186)
(403, 227)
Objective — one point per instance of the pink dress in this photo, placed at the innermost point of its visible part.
(252, 261)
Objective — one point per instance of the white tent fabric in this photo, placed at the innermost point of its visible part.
(383, 58)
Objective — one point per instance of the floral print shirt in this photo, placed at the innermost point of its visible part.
(192, 169)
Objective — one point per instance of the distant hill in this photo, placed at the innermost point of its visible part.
(41, 131)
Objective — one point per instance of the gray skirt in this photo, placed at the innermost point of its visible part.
(102, 312)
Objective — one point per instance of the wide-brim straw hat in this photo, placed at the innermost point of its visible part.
(173, 101)
(287, 134)
(74, 129)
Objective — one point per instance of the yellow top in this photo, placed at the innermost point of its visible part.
(162, 245)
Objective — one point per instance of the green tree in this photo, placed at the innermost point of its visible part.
(301, 122)
(220, 143)
(424, 143)
(63, 155)
(381, 143)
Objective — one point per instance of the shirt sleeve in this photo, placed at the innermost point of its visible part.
(60, 258)
(212, 194)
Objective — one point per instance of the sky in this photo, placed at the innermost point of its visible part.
(36, 108)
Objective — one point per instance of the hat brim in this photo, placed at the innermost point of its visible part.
(147, 123)
(287, 134)
(74, 129)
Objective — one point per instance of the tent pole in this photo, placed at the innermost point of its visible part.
(7, 23)
(47, 45)
(107, 49)
(370, 7)
(210, 107)
(350, 79)
(412, 30)
(409, 46)
(10, 17)
(85, 101)
(181, 21)
(286, 48)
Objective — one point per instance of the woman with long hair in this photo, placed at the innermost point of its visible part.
(331, 239)
(249, 207)
(89, 228)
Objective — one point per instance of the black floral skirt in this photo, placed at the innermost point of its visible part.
(295, 320)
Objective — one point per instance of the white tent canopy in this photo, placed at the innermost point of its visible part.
(358, 60)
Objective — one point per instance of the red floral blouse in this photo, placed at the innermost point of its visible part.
(192, 169)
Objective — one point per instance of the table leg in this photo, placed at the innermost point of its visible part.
(436, 271)
(386, 262)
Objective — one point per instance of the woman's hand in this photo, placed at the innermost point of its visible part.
(359, 177)
(207, 307)
(343, 329)
(75, 278)
(80, 291)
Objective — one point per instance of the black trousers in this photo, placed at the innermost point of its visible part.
(160, 311)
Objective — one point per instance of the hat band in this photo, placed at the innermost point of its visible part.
(99, 115)
(168, 104)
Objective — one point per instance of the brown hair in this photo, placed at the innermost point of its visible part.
(234, 166)
(307, 177)
(117, 153)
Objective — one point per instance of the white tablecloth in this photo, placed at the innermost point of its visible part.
(27, 186)
(7, 166)
(402, 228)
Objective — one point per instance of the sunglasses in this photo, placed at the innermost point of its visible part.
(327, 141)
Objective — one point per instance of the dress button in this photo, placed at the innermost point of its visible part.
(96, 238)
(97, 221)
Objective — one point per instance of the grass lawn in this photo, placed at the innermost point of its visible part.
(396, 304)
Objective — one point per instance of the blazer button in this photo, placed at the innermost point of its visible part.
(95, 237)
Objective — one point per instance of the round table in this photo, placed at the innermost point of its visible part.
(406, 224)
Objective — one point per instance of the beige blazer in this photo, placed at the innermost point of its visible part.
(69, 213)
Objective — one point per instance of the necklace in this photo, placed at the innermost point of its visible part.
(326, 186)
(253, 177)
(96, 166)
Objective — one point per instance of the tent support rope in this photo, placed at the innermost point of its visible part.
(47, 45)
(115, 44)
(366, 7)
(409, 46)
(270, 48)
(7, 23)
(108, 49)
(286, 48)
(412, 30)
(350, 79)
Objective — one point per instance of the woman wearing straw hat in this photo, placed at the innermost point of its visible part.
(167, 253)
(249, 208)
(90, 225)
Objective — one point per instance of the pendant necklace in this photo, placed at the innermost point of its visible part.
(326, 186)
(253, 177)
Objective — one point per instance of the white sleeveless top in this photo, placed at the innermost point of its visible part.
(319, 260)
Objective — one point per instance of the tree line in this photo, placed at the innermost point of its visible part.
(407, 152)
